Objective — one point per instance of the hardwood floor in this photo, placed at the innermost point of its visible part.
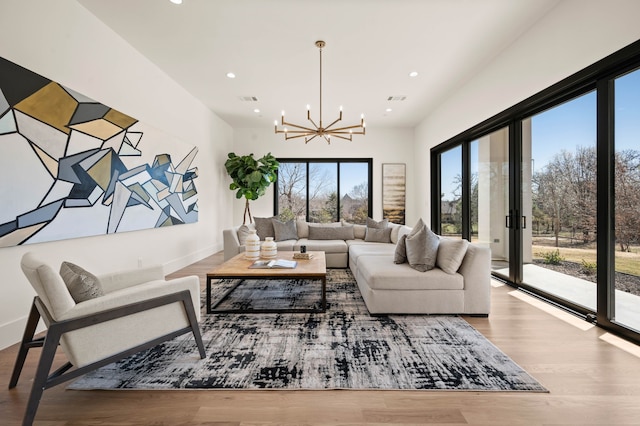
(591, 382)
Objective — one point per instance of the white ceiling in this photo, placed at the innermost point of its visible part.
(371, 46)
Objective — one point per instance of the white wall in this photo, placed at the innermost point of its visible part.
(65, 43)
(572, 36)
(383, 145)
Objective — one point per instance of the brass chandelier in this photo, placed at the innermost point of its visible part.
(309, 133)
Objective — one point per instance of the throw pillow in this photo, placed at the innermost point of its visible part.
(400, 255)
(243, 233)
(422, 249)
(317, 232)
(82, 285)
(359, 231)
(264, 227)
(451, 252)
(401, 246)
(285, 230)
(374, 224)
(378, 235)
(303, 228)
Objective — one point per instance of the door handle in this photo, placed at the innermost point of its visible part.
(524, 222)
(508, 220)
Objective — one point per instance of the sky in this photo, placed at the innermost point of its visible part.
(568, 126)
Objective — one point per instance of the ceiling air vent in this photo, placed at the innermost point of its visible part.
(397, 98)
(248, 98)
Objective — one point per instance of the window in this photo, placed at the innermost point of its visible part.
(324, 190)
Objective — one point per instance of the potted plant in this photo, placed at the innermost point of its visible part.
(251, 177)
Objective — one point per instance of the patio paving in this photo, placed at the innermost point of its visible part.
(580, 291)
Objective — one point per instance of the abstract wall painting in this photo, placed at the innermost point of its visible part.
(394, 192)
(72, 167)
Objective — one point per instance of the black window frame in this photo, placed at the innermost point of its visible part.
(337, 161)
(598, 77)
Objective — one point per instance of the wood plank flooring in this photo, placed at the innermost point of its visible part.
(591, 382)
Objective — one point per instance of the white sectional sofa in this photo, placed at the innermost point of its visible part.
(387, 287)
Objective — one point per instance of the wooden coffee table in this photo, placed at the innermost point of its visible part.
(237, 267)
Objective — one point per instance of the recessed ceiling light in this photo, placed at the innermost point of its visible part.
(388, 110)
(256, 110)
(231, 75)
(176, 1)
(413, 74)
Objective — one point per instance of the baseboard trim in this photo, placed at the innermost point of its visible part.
(10, 330)
(190, 258)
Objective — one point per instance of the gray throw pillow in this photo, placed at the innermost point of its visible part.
(317, 232)
(422, 249)
(264, 227)
(285, 230)
(400, 255)
(378, 235)
(401, 246)
(375, 224)
(82, 285)
(451, 252)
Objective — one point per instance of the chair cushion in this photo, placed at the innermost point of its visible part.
(82, 284)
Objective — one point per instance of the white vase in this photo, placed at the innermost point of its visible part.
(269, 248)
(252, 246)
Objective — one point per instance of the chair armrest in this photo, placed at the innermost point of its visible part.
(123, 279)
(134, 294)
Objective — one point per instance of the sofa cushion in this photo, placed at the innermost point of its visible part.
(330, 232)
(451, 253)
(264, 226)
(422, 249)
(328, 246)
(82, 284)
(378, 235)
(380, 273)
(397, 231)
(285, 230)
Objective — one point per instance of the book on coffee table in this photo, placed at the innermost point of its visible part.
(274, 264)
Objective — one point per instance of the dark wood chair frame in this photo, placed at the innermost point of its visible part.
(49, 343)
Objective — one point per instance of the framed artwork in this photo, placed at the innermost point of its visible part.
(394, 192)
(72, 167)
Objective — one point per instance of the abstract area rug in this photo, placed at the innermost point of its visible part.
(343, 348)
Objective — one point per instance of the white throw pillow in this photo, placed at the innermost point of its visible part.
(451, 253)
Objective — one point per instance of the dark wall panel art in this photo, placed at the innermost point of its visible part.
(72, 167)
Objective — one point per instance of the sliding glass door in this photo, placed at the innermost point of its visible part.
(552, 186)
(489, 197)
(559, 201)
(626, 251)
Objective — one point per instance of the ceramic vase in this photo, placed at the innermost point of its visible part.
(252, 246)
(269, 248)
